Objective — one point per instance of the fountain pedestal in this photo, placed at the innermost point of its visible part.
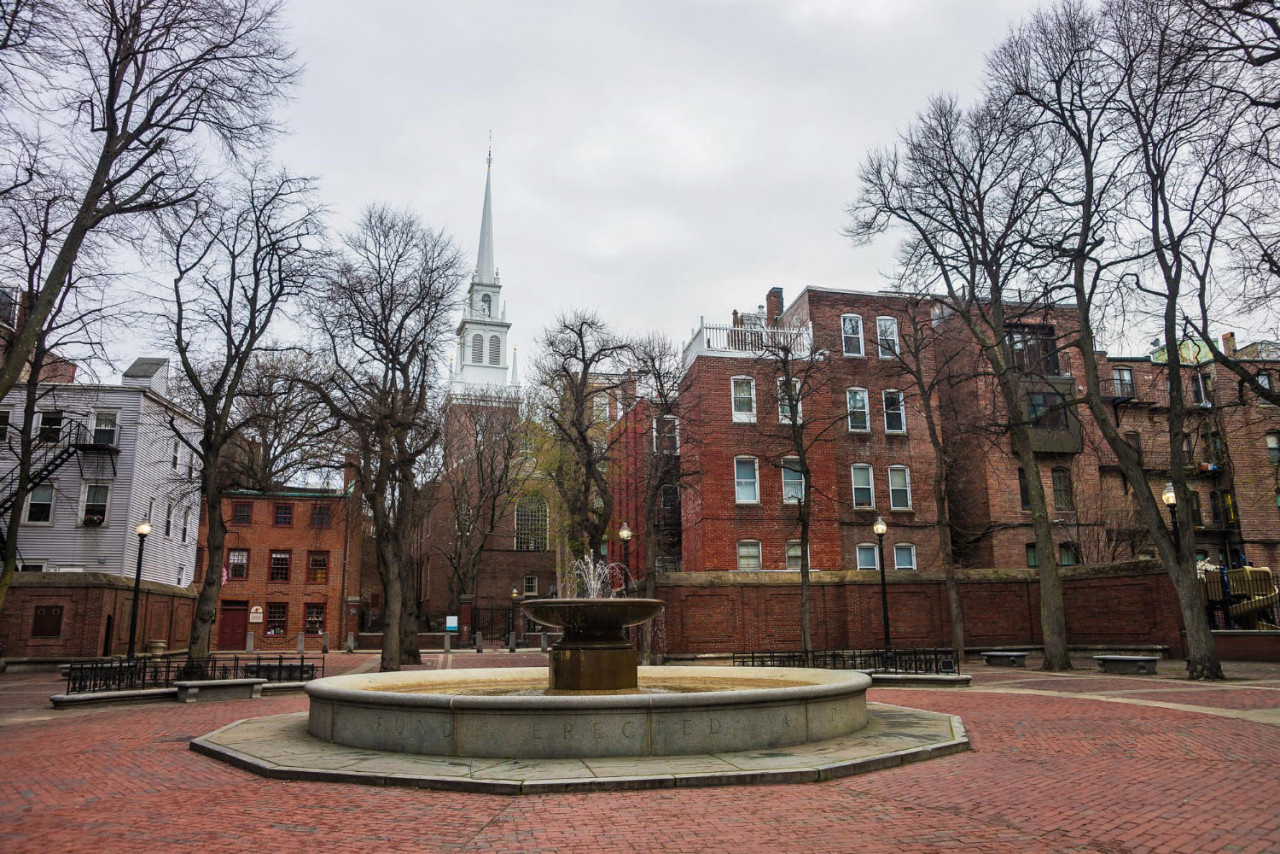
(593, 654)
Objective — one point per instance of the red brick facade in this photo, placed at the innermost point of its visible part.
(290, 558)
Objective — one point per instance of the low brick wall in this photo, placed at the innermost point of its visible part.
(1247, 646)
(91, 602)
(715, 612)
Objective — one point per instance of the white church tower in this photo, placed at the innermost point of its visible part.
(481, 361)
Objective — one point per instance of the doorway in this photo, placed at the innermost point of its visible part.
(233, 625)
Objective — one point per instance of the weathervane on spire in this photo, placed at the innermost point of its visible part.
(488, 163)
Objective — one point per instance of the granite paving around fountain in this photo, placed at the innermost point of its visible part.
(279, 747)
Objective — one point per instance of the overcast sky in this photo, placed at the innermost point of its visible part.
(658, 161)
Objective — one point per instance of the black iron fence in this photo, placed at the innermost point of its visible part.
(87, 677)
(498, 622)
(917, 660)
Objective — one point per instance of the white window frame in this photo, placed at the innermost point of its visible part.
(783, 418)
(115, 428)
(173, 460)
(742, 417)
(871, 485)
(675, 432)
(898, 566)
(875, 556)
(759, 556)
(786, 499)
(186, 524)
(755, 465)
(799, 563)
(861, 352)
(902, 410)
(907, 474)
(530, 589)
(84, 504)
(600, 407)
(53, 504)
(866, 409)
(40, 423)
(168, 521)
(31, 566)
(886, 353)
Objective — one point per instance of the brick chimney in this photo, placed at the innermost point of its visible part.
(737, 319)
(1229, 344)
(628, 392)
(773, 306)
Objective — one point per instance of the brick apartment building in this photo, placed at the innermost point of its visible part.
(291, 565)
(870, 455)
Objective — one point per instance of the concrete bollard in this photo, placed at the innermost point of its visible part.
(302, 643)
(248, 641)
(479, 641)
(544, 641)
(511, 642)
(324, 644)
(351, 642)
(448, 642)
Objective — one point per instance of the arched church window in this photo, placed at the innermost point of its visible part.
(486, 306)
(477, 349)
(495, 350)
(531, 524)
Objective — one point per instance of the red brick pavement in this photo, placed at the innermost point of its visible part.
(1048, 773)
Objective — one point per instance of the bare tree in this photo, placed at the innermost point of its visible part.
(382, 320)
(235, 264)
(129, 93)
(968, 189)
(484, 468)
(579, 374)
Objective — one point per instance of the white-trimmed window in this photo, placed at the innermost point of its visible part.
(864, 491)
(94, 500)
(851, 334)
(104, 428)
(899, 488)
(746, 480)
(186, 523)
(666, 435)
(600, 408)
(785, 415)
(895, 411)
(748, 554)
(531, 524)
(40, 505)
(859, 410)
(793, 554)
(49, 426)
(168, 519)
(744, 400)
(887, 337)
(792, 481)
(904, 557)
(173, 460)
(531, 585)
(868, 556)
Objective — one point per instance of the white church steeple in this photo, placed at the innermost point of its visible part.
(482, 333)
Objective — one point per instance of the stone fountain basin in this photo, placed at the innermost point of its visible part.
(591, 618)
(368, 711)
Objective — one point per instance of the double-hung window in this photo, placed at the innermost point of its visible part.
(96, 498)
(851, 334)
(50, 426)
(1063, 493)
(40, 505)
(237, 564)
(792, 481)
(887, 337)
(746, 480)
(277, 619)
(313, 619)
(895, 412)
(868, 556)
(904, 557)
(278, 568)
(793, 555)
(899, 488)
(104, 428)
(789, 409)
(748, 554)
(864, 494)
(744, 400)
(859, 416)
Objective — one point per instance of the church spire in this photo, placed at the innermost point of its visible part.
(485, 273)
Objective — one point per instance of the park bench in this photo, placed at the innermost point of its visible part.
(1004, 659)
(201, 690)
(1127, 664)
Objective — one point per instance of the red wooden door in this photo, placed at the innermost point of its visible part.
(233, 624)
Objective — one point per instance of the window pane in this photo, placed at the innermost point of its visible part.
(867, 557)
(1063, 495)
(318, 567)
(899, 488)
(40, 504)
(856, 401)
(242, 514)
(895, 418)
(743, 397)
(745, 487)
(531, 524)
(104, 428)
(1032, 559)
(238, 563)
(792, 481)
(279, 568)
(277, 619)
(748, 554)
(315, 618)
(887, 333)
(904, 557)
(851, 332)
(863, 494)
(793, 554)
(284, 514)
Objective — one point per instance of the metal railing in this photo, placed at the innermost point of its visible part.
(917, 660)
(750, 340)
(88, 677)
(1245, 598)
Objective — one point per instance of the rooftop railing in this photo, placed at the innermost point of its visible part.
(727, 340)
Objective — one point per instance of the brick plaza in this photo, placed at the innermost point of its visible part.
(1076, 762)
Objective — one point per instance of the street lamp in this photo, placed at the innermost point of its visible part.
(515, 599)
(1170, 498)
(881, 529)
(144, 528)
(624, 534)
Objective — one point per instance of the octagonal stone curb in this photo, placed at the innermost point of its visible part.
(806, 764)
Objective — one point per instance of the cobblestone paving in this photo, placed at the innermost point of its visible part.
(1057, 772)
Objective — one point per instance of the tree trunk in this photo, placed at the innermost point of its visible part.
(806, 629)
(215, 544)
(409, 651)
(388, 568)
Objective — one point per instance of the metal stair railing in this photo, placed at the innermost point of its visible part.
(46, 459)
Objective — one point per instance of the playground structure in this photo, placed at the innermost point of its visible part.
(1244, 598)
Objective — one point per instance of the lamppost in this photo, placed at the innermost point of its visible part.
(624, 534)
(1170, 498)
(144, 528)
(881, 529)
(511, 635)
